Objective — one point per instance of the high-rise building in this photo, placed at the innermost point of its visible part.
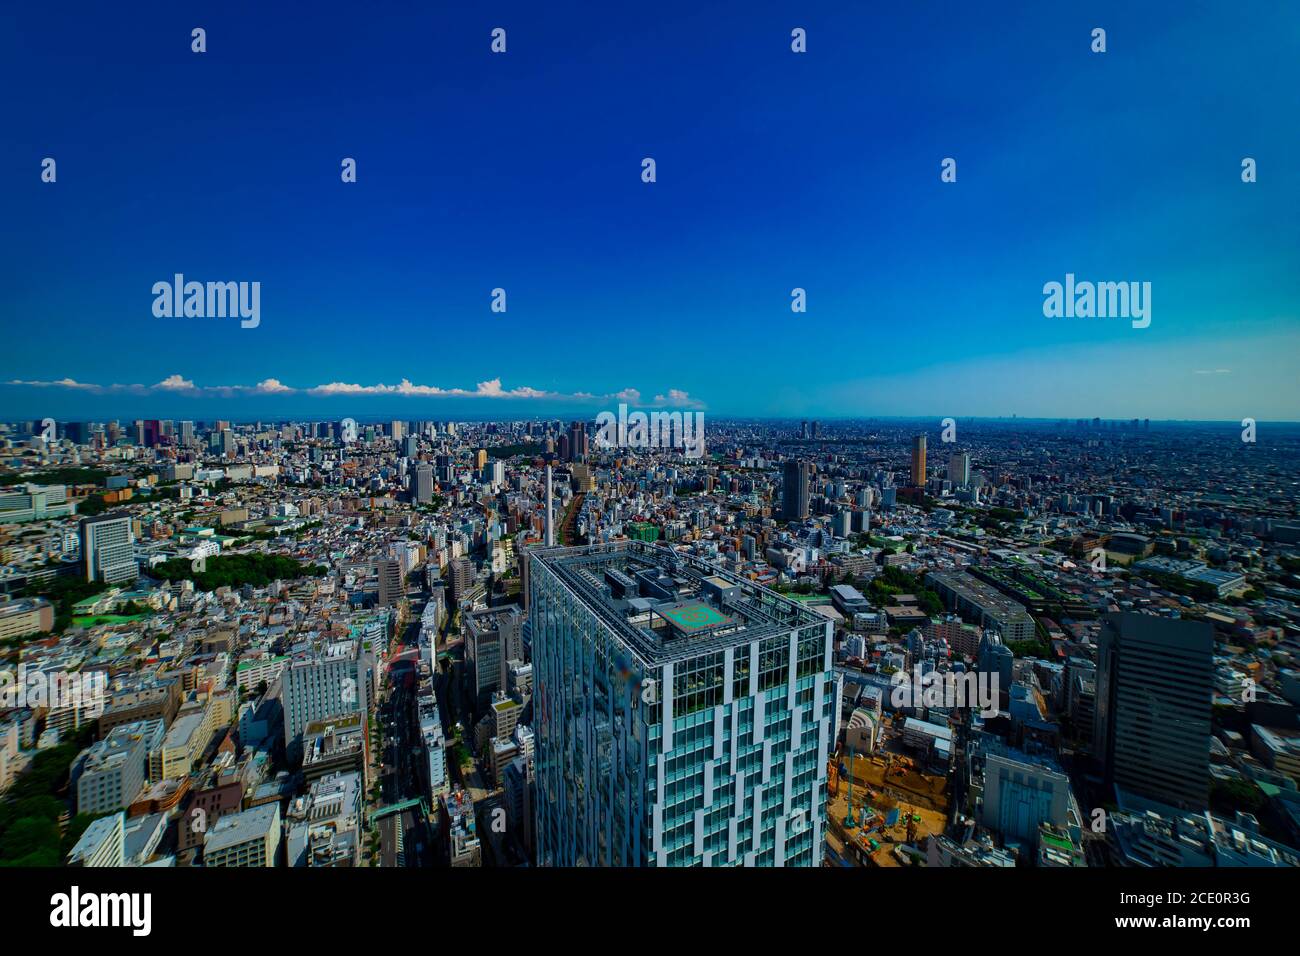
(918, 461)
(460, 579)
(795, 495)
(446, 471)
(582, 478)
(550, 513)
(326, 679)
(108, 548)
(1155, 685)
(435, 744)
(959, 469)
(577, 442)
(683, 715)
(391, 591)
(493, 638)
(423, 484)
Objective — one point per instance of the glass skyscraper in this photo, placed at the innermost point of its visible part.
(684, 716)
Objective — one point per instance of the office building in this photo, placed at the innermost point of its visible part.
(108, 548)
(982, 604)
(423, 484)
(183, 745)
(111, 772)
(326, 679)
(391, 587)
(1017, 792)
(959, 469)
(918, 461)
(683, 715)
(460, 579)
(493, 638)
(796, 477)
(1155, 683)
(247, 839)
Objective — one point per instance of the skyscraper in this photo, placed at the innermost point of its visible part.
(550, 506)
(795, 477)
(108, 548)
(423, 483)
(918, 461)
(461, 579)
(959, 469)
(493, 637)
(1154, 691)
(389, 573)
(684, 715)
(577, 442)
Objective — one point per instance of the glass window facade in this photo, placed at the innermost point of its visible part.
(670, 749)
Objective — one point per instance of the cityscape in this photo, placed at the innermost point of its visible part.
(873, 643)
(814, 442)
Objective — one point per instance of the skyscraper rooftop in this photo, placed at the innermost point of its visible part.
(667, 606)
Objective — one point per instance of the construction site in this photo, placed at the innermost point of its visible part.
(881, 809)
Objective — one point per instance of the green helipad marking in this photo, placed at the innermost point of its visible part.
(693, 617)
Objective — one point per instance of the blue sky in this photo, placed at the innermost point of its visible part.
(775, 171)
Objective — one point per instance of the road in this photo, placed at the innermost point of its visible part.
(405, 838)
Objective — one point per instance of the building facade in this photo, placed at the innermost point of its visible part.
(683, 716)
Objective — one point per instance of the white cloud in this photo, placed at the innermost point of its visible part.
(272, 385)
(175, 383)
(60, 383)
(490, 389)
(677, 399)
